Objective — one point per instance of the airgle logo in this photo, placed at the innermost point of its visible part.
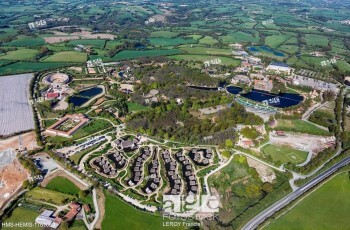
(191, 204)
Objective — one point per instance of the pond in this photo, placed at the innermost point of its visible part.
(84, 96)
(281, 100)
(265, 49)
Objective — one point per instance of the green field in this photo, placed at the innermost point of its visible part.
(285, 154)
(316, 40)
(163, 34)
(300, 126)
(204, 50)
(26, 42)
(239, 37)
(47, 195)
(133, 54)
(326, 208)
(207, 40)
(64, 185)
(203, 58)
(21, 55)
(170, 41)
(25, 67)
(100, 43)
(134, 107)
(119, 214)
(22, 215)
(275, 41)
(67, 56)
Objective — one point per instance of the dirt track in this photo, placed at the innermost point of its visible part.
(101, 207)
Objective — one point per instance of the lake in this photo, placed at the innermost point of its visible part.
(84, 96)
(265, 49)
(281, 100)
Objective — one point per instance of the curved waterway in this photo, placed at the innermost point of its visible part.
(281, 100)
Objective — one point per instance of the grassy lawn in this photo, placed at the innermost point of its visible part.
(285, 154)
(119, 212)
(21, 55)
(326, 208)
(22, 215)
(67, 56)
(64, 185)
(134, 107)
(92, 127)
(48, 195)
(300, 126)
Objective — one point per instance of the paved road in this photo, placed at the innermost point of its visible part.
(260, 218)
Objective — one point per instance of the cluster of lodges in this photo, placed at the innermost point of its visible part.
(201, 157)
(128, 145)
(154, 181)
(188, 173)
(174, 178)
(104, 167)
(137, 168)
(118, 159)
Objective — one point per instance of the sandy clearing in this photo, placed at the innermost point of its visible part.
(266, 173)
(12, 177)
(28, 141)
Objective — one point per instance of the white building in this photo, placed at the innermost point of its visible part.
(279, 67)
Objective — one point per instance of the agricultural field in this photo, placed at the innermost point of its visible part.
(20, 55)
(158, 42)
(284, 154)
(132, 54)
(26, 42)
(25, 67)
(316, 40)
(239, 37)
(300, 126)
(67, 56)
(207, 40)
(274, 41)
(99, 43)
(163, 34)
(325, 208)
